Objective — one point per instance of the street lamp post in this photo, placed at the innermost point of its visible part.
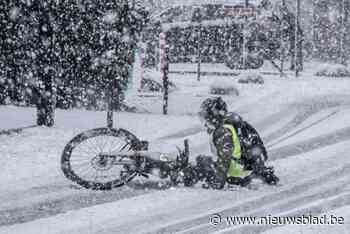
(198, 19)
(244, 28)
(199, 52)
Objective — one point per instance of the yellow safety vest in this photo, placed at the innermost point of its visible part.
(236, 169)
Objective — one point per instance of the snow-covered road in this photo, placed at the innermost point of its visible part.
(305, 123)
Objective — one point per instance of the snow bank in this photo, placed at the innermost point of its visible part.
(224, 87)
(333, 70)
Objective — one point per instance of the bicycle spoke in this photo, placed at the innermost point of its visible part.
(95, 145)
(105, 141)
(80, 157)
(91, 147)
(82, 174)
(112, 144)
(85, 152)
(99, 142)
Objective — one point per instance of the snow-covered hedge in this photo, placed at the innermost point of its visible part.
(251, 78)
(334, 70)
(130, 108)
(150, 85)
(224, 87)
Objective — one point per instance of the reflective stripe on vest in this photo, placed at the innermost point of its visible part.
(237, 152)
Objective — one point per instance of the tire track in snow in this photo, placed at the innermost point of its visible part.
(303, 129)
(265, 123)
(65, 200)
(304, 111)
(199, 225)
(310, 144)
(198, 129)
(304, 146)
(287, 206)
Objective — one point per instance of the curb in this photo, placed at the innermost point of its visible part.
(205, 73)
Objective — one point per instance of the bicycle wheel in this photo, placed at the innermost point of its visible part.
(87, 161)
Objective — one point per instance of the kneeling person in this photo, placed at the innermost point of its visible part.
(239, 149)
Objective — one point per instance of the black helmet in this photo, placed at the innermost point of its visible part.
(213, 110)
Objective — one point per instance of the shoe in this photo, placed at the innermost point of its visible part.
(269, 177)
(239, 181)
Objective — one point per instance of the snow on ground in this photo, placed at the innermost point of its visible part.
(15, 117)
(318, 124)
(287, 111)
(168, 207)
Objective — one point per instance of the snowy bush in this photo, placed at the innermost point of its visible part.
(152, 82)
(251, 78)
(334, 70)
(126, 107)
(223, 87)
(150, 85)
